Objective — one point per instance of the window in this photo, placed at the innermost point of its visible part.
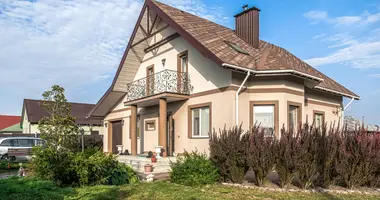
(94, 132)
(236, 47)
(293, 122)
(294, 115)
(39, 142)
(6, 143)
(199, 120)
(25, 143)
(150, 125)
(318, 119)
(263, 116)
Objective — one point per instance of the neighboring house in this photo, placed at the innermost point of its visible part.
(10, 124)
(32, 113)
(355, 124)
(181, 76)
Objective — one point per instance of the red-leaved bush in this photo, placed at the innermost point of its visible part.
(311, 156)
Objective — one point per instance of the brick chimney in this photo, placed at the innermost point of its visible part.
(247, 25)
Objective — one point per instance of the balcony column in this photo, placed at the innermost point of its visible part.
(133, 129)
(162, 140)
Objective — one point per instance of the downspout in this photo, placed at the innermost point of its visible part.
(345, 108)
(237, 98)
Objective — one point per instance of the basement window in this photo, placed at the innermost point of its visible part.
(236, 47)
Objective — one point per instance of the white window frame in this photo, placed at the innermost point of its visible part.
(200, 120)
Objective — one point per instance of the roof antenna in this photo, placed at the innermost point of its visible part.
(245, 7)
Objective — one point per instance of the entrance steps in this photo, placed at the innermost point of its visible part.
(160, 168)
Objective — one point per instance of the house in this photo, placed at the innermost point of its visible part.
(10, 124)
(181, 76)
(33, 112)
(354, 124)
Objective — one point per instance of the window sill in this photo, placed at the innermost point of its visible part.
(200, 137)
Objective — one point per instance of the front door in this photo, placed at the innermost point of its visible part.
(117, 135)
(170, 135)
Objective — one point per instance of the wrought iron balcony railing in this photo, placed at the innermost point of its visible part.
(165, 81)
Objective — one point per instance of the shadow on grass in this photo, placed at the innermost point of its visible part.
(29, 188)
(101, 192)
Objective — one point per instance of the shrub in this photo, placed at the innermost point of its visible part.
(260, 154)
(228, 153)
(3, 165)
(375, 182)
(193, 169)
(88, 168)
(356, 158)
(307, 155)
(327, 155)
(285, 159)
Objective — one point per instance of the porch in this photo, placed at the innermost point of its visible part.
(161, 168)
(156, 90)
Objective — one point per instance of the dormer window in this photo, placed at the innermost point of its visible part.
(236, 47)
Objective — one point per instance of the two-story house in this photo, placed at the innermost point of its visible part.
(182, 75)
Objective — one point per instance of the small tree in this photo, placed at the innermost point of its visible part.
(59, 128)
(260, 154)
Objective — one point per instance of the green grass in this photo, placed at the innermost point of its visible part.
(27, 188)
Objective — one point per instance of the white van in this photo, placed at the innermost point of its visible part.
(17, 143)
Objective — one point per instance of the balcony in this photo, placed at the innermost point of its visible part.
(164, 82)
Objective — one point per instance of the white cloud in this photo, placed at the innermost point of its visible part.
(357, 46)
(316, 15)
(375, 76)
(77, 44)
(322, 16)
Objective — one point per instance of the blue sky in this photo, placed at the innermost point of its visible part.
(79, 44)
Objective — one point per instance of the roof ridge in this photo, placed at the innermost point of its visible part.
(67, 102)
(5, 115)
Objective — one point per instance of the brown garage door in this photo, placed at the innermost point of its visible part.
(117, 135)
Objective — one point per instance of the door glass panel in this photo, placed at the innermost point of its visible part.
(184, 64)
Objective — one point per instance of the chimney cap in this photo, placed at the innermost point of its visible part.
(245, 10)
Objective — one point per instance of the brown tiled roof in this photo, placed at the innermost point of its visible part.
(78, 110)
(267, 57)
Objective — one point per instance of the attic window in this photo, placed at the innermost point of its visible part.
(236, 47)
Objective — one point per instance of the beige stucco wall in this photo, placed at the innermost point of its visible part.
(204, 73)
(333, 111)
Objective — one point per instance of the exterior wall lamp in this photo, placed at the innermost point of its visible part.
(163, 62)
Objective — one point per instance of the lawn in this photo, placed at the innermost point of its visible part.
(32, 189)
